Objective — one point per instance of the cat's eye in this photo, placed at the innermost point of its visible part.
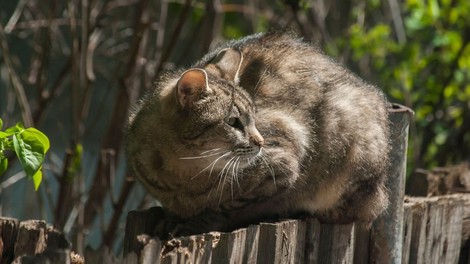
(231, 120)
(234, 122)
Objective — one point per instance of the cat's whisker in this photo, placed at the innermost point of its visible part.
(269, 167)
(202, 156)
(212, 164)
(232, 177)
(281, 167)
(212, 169)
(235, 176)
(223, 176)
(257, 86)
(210, 150)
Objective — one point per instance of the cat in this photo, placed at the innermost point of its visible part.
(262, 127)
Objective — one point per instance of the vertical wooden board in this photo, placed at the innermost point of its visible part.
(346, 232)
(230, 248)
(193, 247)
(268, 240)
(312, 240)
(299, 255)
(151, 252)
(407, 232)
(140, 222)
(434, 236)
(212, 239)
(336, 244)
(465, 242)
(419, 210)
(184, 253)
(251, 244)
(8, 232)
(278, 242)
(31, 238)
(130, 258)
(361, 244)
(291, 246)
(452, 229)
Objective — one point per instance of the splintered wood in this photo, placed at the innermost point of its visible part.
(33, 241)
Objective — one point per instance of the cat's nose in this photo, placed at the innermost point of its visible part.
(257, 139)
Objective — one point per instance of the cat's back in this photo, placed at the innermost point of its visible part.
(280, 67)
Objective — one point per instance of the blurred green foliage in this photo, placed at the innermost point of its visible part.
(428, 71)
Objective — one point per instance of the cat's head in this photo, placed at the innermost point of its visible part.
(215, 118)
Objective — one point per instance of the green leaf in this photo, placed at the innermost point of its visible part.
(15, 129)
(76, 163)
(32, 134)
(30, 152)
(1, 123)
(37, 178)
(3, 164)
(4, 134)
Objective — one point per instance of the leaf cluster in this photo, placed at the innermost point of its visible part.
(428, 69)
(30, 146)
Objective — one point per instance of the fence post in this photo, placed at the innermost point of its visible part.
(387, 231)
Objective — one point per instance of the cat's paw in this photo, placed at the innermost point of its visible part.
(168, 227)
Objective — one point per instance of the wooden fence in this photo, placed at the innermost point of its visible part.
(436, 230)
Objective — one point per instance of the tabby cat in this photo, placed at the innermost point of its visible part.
(262, 127)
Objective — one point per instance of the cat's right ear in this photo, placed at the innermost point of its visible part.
(229, 62)
(192, 83)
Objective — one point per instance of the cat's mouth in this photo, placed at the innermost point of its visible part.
(247, 152)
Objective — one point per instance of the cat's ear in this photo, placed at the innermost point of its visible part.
(229, 61)
(191, 83)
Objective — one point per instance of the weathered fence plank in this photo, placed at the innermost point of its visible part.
(151, 251)
(361, 247)
(230, 248)
(452, 230)
(251, 244)
(138, 223)
(407, 232)
(387, 231)
(33, 241)
(312, 240)
(281, 242)
(418, 235)
(336, 244)
(8, 232)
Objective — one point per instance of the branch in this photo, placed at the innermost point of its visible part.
(15, 80)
